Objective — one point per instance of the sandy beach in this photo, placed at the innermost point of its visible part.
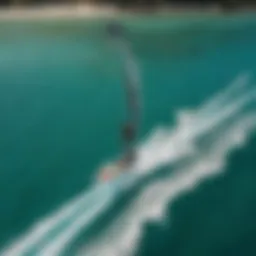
(81, 11)
(55, 12)
(77, 11)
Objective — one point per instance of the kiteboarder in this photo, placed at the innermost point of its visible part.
(131, 86)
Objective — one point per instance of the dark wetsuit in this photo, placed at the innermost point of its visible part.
(129, 135)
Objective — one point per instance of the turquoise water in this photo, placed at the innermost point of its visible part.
(62, 107)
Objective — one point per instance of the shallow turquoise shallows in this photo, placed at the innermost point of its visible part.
(62, 106)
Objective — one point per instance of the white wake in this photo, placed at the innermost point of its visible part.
(123, 237)
(53, 234)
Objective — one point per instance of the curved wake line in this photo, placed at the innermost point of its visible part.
(163, 146)
(227, 94)
(44, 227)
(56, 247)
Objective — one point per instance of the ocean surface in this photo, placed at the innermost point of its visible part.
(62, 105)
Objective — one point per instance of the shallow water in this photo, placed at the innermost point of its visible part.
(62, 107)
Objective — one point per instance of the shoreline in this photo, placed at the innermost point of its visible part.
(73, 11)
(81, 11)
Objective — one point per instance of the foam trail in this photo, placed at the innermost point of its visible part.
(227, 112)
(228, 93)
(56, 247)
(216, 104)
(34, 236)
(179, 142)
(208, 110)
(164, 145)
(163, 156)
(233, 108)
(123, 237)
(40, 229)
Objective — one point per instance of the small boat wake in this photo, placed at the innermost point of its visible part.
(223, 123)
